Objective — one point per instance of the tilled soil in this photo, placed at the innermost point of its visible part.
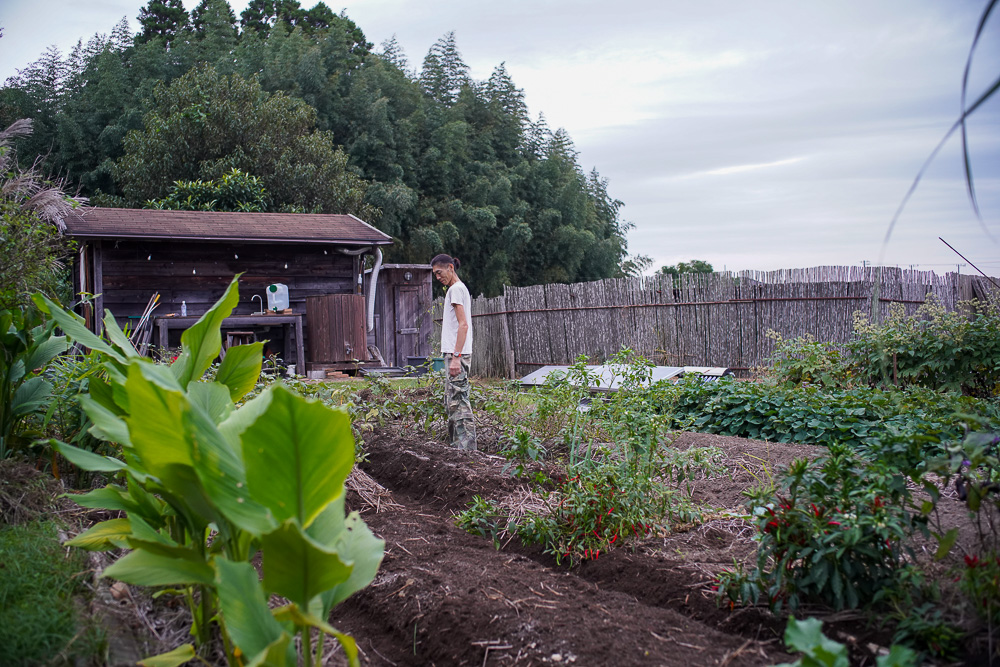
(444, 597)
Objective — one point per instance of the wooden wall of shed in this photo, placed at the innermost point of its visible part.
(198, 272)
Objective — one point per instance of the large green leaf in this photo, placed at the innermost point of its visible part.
(30, 396)
(153, 430)
(302, 618)
(148, 539)
(240, 370)
(158, 374)
(108, 426)
(329, 524)
(104, 536)
(807, 636)
(202, 342)
(179, 656)
(45, 352)
(298, 454)
(279, 653)
(117, 336)
(247, 618)
(110, 497)
(101, 392)
(221, 471)
(212, 398)
(359, 546)
(85, 460)
(143, 568)
(299, 568)
(356, 544)
(243, 417)
(74, 327)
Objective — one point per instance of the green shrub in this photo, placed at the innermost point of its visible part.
(933, 348)
(833, 535)
(804, 360)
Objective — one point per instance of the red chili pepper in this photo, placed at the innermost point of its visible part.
(613, 538)
(972, 561)
(833, 523)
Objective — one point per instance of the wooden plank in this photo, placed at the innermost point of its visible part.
(98, 287)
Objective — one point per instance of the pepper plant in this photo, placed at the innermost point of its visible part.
(206, 485)
(835, 534)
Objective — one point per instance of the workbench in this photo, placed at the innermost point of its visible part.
(287, 322)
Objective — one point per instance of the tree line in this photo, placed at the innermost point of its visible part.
(292, 109)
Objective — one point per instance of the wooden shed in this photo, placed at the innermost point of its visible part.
(189, 257)
(403, 318)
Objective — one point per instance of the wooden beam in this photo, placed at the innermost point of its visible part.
(98, 288)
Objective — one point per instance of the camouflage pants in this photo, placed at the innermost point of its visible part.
(461, 423)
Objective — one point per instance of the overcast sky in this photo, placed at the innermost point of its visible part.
(753, 135)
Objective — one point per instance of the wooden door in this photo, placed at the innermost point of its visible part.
(407, 302)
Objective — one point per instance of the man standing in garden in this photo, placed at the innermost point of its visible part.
(456, 346)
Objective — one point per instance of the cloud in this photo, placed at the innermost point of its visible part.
(770, 134)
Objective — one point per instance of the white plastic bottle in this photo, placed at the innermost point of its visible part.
(277, 297)
(184, 308)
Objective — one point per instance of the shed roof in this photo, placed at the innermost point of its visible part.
(153, 224)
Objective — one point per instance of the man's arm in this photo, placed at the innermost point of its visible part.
(463, 331)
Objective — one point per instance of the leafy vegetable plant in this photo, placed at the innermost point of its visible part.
(206, 485)
(27, 345)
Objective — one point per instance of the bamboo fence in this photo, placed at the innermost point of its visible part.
(718, 319)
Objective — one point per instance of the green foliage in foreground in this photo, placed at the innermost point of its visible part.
(818, 650)
(39, 619)
(206, 485)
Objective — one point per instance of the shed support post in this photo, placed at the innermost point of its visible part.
(98, 288)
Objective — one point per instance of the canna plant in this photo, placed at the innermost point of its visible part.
(205, 485)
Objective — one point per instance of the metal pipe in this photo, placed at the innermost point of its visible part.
(372, 286)
(373, 281)
(676, 304)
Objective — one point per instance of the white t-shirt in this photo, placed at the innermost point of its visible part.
(457, 294)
